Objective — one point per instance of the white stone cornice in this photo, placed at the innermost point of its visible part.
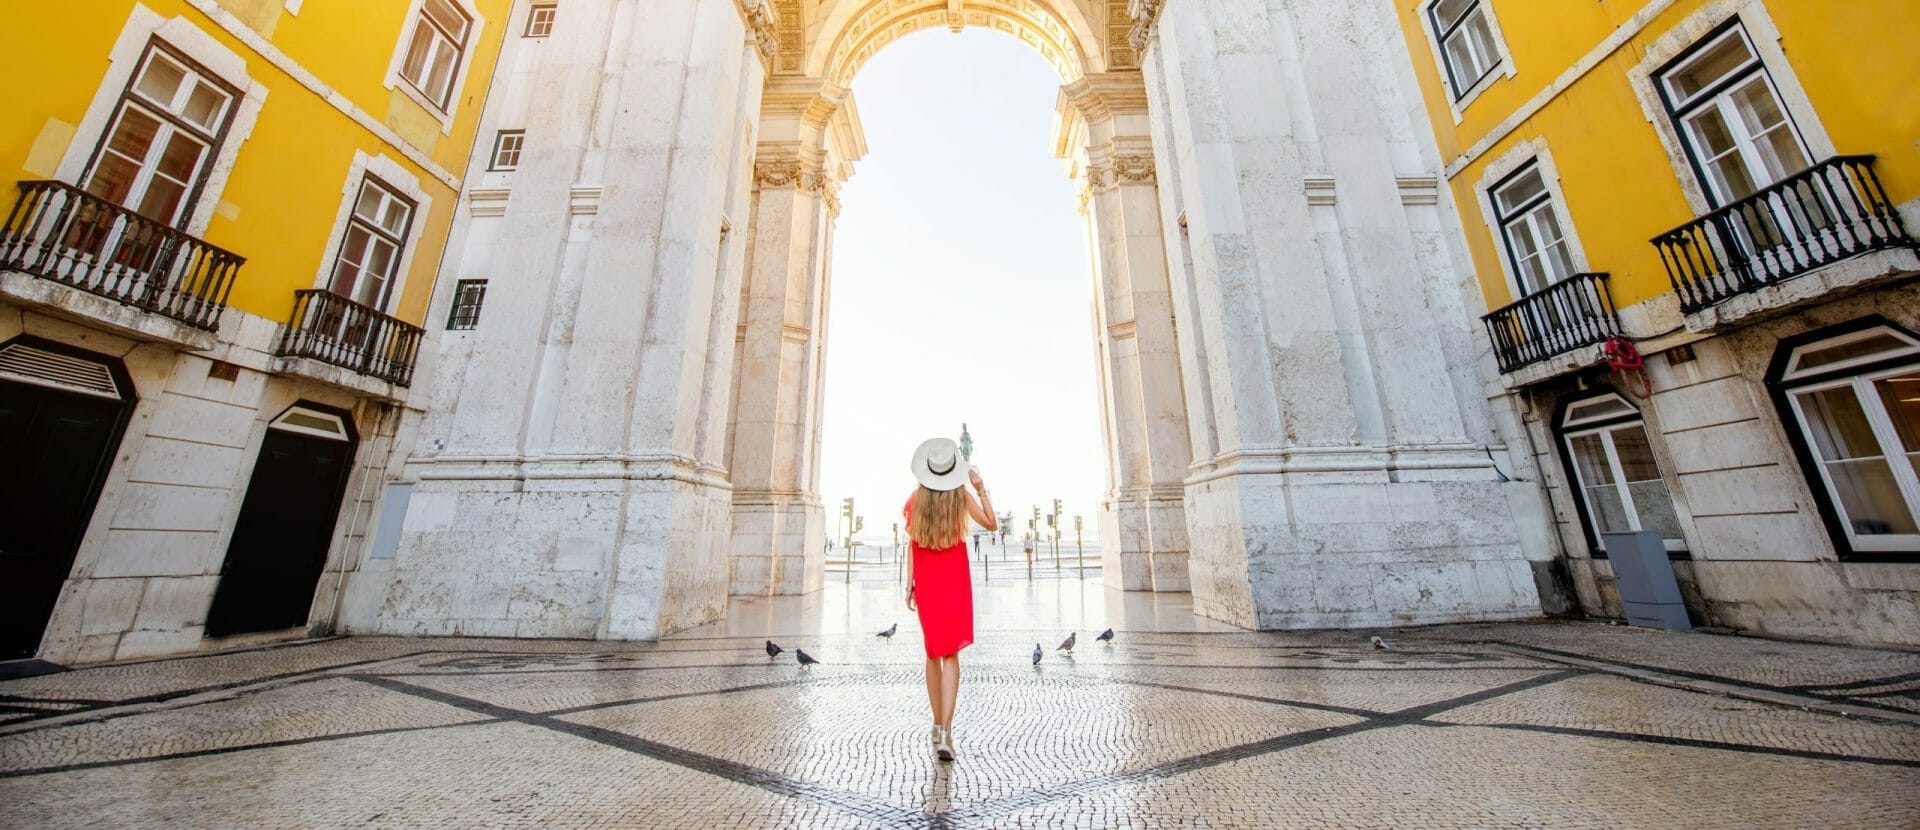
(1320, 190)
(487, 201)
(1144, 14)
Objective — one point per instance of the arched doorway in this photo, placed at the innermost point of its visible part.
(62, 413)
(810, 141)
(1293, 397)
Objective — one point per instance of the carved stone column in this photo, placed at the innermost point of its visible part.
(1142, 523)
(1342, 473)
(808, 141)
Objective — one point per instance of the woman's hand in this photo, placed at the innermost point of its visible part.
(910, 604)
(973, 475)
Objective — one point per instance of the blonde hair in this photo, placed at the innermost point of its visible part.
(939, 517)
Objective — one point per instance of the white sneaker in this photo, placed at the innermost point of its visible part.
(936, 735)
(944, 746)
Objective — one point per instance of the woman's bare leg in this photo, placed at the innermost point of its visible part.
(949, 690)
(933, 686)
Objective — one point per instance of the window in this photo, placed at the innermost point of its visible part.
(434, 52)
(506, 149)
(467, 296)
(164, 130)
(1854, 400)
(1614, 473)
(540, 20)
(1466, 41)
(1535, 243)
(370, 250)
(1729, 115)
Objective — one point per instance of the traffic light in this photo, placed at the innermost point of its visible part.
(1056, 507)
(1053, 520)
(846, 507)
(858, 523)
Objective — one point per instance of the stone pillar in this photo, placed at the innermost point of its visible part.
(1143, 528)
(1345, 479)
(809, 139)
(571, 478)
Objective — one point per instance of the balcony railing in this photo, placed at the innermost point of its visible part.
(1829, 212)
(333, 329)
(1566, 315)
(61, 233)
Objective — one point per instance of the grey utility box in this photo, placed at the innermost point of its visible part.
(1645, 577)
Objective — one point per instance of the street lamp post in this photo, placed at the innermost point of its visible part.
(1079, 549)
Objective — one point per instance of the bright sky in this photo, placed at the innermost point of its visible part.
(961, 289)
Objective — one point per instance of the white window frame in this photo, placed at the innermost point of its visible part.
(444, 113)
(1528, 213)
(1720, 98)
(1503, 66)
(407, 183)
(171, 122)
(1859, 374)
(1764, 36)
(124, 58)
(539, 25)
(1604, 426)
(1534, 153)
(390, 197)
(494, 164)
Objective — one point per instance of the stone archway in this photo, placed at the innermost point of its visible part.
(810, 138)
(1292, 384)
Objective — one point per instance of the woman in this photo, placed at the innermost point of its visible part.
(941, 586)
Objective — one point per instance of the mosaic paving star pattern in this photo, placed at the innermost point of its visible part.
(1470, 726)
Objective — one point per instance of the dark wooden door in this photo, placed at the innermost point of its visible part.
(280, 541)
(56, 448)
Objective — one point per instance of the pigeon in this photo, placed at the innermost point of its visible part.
(804, 658)
(1037, 654)
(1105, 636)
(889, 632)
(1066, 645)
(773, 650)
(1379, 643)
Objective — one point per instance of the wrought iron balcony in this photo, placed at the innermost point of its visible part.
(1566, 315)
(61, 233)
(1826, 213)
(333, 329)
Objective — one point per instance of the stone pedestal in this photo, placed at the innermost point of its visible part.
(571, 469)
(1341, 475)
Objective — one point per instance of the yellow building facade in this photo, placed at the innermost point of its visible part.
(1726, 190)
(224, 229)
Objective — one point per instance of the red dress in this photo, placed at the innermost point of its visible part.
(943, 590)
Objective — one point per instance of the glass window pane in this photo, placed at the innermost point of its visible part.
(161, 81)
(161, 202)
(1711, 133)
(380, 264)
(1446, 12)
(113, 178)
(181, 157)
(1817, 356)
(368, 206)
(134, 134)
(205, 106)
(394, 217)
(1901, 396)
(441, 76)
(1590, 459)
(1520, 191)
(1597, 408)
(1481, 32)
(450, 18)
(1635, 454)
(1717, 62)
(353, 252)
(414, 68)
(1837, 425)
(1870, 497)
(1608, 513)
(1460, 58)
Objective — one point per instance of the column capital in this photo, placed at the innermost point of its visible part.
(777, 170)
(1108, 173)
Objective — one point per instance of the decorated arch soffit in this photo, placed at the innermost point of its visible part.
(835, 38)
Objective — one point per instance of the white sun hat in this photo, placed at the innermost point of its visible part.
(938, 465)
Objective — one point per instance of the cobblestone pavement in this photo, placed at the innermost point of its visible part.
(1177, 723)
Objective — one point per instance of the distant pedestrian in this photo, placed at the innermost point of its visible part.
(941, 586)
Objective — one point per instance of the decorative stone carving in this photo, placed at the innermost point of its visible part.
(763, 22)
(1144, 13)
(789, 173)
(1103, 176)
